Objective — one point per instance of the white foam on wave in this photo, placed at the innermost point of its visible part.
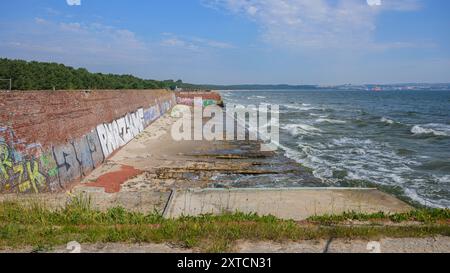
(301, 129)
(331, 121)
(387, 121)
(263, 109)
(303, 107)
(431, 129)
(366, 160)
(318, 115)
(444, 179)
(346, 141)
(256, 97)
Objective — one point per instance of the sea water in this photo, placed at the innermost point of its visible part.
(396, 140)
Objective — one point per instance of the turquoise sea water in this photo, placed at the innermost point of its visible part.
(395, 139)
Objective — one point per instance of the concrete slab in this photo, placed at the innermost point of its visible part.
(145, 202)
(288, 203)
(439, 244)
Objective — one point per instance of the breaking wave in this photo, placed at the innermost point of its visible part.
(301, 129)
(387, 121)
(331, 121)
(302, 107)
(435, 129)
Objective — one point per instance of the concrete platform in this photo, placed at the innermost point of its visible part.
(145, 202)
(288, 203)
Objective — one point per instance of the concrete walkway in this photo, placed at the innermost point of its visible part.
(288, 203)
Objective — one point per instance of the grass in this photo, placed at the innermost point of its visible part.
(41, 228)
(427, 216)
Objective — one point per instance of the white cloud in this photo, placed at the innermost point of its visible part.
(73, 43)
(193, 43)
(73, 2)
(40, 21)
(110, 49)
(374, 2)
(314, 23)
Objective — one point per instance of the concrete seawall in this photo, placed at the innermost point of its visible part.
(49, 140)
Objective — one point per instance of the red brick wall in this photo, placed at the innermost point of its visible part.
(51, 118)
(209, 98)
(50, 139)
(204, 95)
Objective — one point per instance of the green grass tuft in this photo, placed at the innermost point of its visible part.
(43, 229)
(419, 215)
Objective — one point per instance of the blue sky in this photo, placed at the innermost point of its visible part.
(237, 41)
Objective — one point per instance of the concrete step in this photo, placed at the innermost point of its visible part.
(287, 203)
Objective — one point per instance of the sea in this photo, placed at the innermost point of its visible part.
(397, 141)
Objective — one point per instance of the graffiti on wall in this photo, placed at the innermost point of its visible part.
(78, 158)
(151, 114)
(190, 102)
(165, 106)
(22, 168)
(121, 131)
(28, 168)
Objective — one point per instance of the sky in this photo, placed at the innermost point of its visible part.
(236, 41)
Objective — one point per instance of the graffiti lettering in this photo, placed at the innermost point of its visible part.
(190, 102)
(152, 114)
(28, 168)
(5, 161)
(36, 178)
(15, 175)
(119, 132)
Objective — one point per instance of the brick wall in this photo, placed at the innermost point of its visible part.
(209, 98)
(49, 140)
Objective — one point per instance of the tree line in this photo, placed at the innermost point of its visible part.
(53, 76)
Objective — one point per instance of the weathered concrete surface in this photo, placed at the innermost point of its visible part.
(110, 248)
(146, 202)
(438, 244)
(292, 204)
(164, 164)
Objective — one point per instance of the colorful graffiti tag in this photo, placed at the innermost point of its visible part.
(27, 168)
(151, 114)
(190, 102)
(29, 174)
